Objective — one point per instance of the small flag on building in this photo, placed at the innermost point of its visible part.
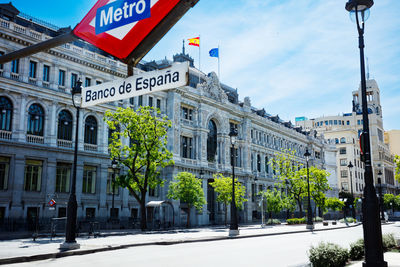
(214, 52)
(194, 41)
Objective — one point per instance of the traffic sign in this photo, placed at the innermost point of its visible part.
(175, 76)
(52, 202)
(128, 29)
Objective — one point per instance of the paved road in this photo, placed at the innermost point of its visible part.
(274, 251)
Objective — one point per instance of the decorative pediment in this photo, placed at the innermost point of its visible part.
(212, 88)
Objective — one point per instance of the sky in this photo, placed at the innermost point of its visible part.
(293, 58)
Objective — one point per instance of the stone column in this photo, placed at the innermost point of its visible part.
(49, 185)
(22, 114)
(17, 187)
(53, 123)
(101, 184)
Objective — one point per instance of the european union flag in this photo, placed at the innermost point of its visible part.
(214, 52)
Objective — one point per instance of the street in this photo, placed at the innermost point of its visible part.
(278, 250)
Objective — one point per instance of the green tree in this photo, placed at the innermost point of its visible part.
(285, 167)
(334, 204)
(274, 201)
(318, 185)
(389, 201)
(397, 172)
(187, 188)
(223, 186)
(145, 154)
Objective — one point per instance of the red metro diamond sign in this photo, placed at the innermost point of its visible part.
(128, 29)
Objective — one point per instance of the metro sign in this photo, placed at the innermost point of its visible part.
(128, 29)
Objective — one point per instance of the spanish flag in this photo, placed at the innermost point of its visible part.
(194, 41)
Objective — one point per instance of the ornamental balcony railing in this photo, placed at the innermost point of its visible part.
(64, 143)
(36, 139)
(90, 147)
(5, 135)
(14, 76)
(188, 161)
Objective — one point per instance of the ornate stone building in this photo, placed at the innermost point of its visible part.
(37, 120)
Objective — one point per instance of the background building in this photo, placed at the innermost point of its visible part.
(344, 131)
(392, 139)
(38, 119)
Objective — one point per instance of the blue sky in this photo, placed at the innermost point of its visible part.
(293, 58)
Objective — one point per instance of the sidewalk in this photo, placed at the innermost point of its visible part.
(26, 250)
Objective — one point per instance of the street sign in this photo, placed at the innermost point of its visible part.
(128, 29)
(52, 202)
(143, 83)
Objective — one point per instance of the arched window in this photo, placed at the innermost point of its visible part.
(342, 140)
(6, 111)
(35, 120)
(211, 141)
(336, 141)
(91, 130)
(258, 163)
(64, 125)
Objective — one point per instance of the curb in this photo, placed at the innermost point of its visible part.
(22, 259)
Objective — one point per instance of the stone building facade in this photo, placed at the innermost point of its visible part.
(38, 121)
(344, 131)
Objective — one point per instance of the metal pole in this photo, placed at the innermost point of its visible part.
(234, 224)
(262, 210)
(381, 200)
(371, 221)
(39, 47)
(310, 224)
(112, 213)
(353, 211)
(70, 232)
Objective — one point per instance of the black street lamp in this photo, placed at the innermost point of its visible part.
(371, 222)
(233, 229)
(114, 166)
(310, 224)
(380, 196)
(353, 210)
(70, 232)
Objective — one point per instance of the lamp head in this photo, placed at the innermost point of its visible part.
(350, 165)
(307, 154)
(233, 134)
(359, 5)
(76, 94)
(114, 163)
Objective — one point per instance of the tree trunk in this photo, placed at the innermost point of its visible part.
(188, 217)
(143, 217)
(226, 214)
(300, 208)
(270, 217)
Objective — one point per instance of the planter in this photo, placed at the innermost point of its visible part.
(325, 223)
(334, 223)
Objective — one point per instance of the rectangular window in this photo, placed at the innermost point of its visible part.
(342, 151)
(74, 79)
(153, 192)
(131, 101)
(158, 103)
(110, 183)
(335, 122)
(33, 175)
(343, 162)
(88, 82)
(90, 213)
(150, 101)
(62, 212)
(61, 77)
(187, 113)
(330, 122)
(345, 186)
(343, 173)
(63, 177)
(1, 65)
(32, 69)
(348, 122)
(253, 192)
(46, 73)
(89, 180)
(140, 101)
(15, 66)
(186, 147)
(326, 122)
(4, 170)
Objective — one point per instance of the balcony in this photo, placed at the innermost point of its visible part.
(5, 135)
(64, 143)
(14, 76)
(35, 139)
(90, 147)
(188, 161)
(32, 80)
(188, 122)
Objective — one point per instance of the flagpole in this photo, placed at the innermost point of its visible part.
(219, 74)
(199, 59)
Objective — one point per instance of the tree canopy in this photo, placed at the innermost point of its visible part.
(397, 172)
(145, 153)
(187, 188)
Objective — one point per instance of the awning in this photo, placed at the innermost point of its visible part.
(157, 203)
